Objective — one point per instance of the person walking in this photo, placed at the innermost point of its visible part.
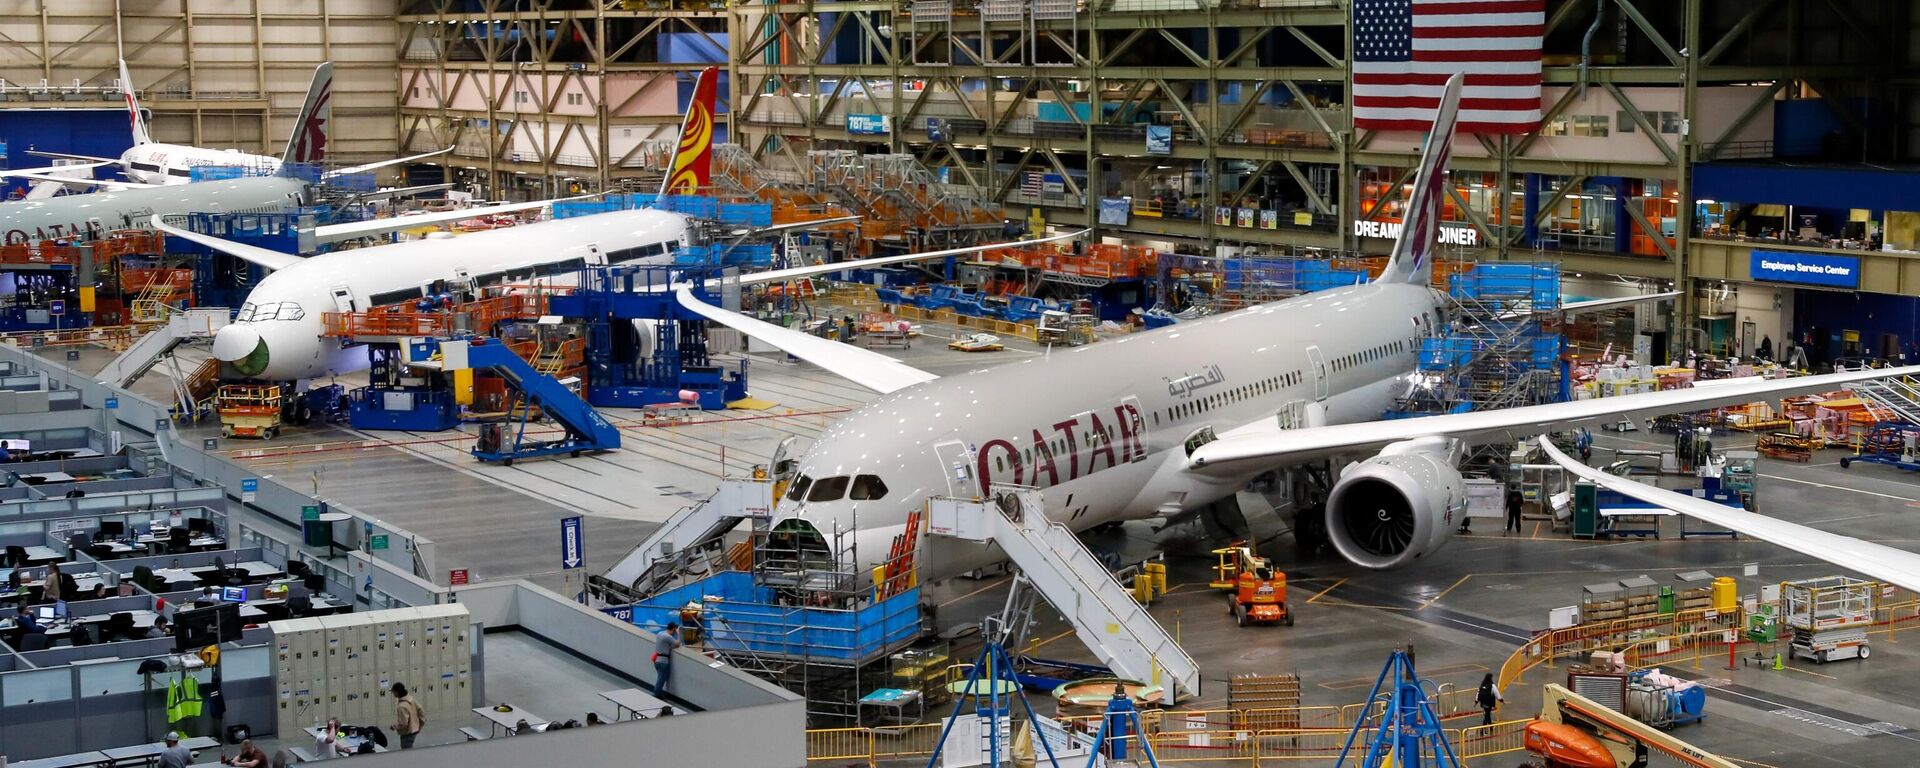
(663, 646)
(1489, 698)
(1514, 500)
(408, 720)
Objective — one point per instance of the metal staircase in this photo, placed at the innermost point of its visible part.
(180, 328)
(687, 539)
(1891, 398)
(1104, 615)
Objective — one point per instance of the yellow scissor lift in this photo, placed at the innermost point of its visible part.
(249, 410)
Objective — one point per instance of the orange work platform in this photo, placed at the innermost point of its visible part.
(402, 320)
(45, 252)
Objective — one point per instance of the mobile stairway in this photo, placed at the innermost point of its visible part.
(677, 546)
(1104, 615)
(180, 328)
(585, 429)
(1892, 398)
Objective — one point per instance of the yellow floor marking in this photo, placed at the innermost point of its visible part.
(1443, 593)
(1336, 585)
(1806, 672)
(996, 583)
(1035, 645)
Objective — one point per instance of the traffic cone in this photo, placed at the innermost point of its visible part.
(1776, 661)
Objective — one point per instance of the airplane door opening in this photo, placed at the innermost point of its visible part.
(1318, 363)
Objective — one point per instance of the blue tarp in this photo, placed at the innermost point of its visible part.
(742, 616)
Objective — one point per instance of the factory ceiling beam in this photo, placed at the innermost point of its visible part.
(1329, 58)
(1647, 128)
(1653, 233)
(1393, 192)
(1740, 28)
(1474, 219)
(1711, 151)
(1547, 207)
(1246, 110)
(1314, 198)
(1653, 35)
(1307, 104)
(1233, 201)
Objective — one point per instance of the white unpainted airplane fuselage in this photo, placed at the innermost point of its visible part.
(156, 163)
(1104, 429)
(279, 333)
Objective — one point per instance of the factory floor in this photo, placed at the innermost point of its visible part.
(1464, 609)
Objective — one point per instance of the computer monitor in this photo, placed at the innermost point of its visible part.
(112, 529)
(17, 446)
(314, 581)
(44, 613)
(60, 609)
(233, 594)
(200, 627)
(199, 524)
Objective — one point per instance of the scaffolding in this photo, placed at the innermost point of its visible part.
(1496, 349)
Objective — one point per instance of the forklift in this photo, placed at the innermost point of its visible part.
(1256, 593)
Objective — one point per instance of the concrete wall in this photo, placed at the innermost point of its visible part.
(766, 736)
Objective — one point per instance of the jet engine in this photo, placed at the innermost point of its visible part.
(1396, 507)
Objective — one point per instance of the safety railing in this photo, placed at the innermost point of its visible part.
(1297, 747)
(394, 320)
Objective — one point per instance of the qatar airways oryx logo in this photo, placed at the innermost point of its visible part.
(1066, 450)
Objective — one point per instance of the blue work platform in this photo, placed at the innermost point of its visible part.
(649, 362)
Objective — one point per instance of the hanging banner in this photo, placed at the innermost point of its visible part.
(1159, 139)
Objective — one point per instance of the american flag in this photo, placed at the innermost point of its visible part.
(1031, 183)
(1404, 50)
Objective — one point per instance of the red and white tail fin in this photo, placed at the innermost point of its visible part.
(692, 168)
(1412, 260)
(134, 118)
(308, 143)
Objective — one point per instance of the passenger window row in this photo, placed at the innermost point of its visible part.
(1201, 405)
(1375, 354)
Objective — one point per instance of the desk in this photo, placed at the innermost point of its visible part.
(893, 703)
(172, 576)
(76, 760)
(349, 745)
(197, 543)
(641, 703)
(256, 570)
(42, 555)
(146, 753)
(322, 606)
(507, 720)
(120, 547)
(43, 478)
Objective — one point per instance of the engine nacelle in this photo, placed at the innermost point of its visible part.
(1395, 508)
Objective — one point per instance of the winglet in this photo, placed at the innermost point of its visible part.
(134, 118)
(254, 254)
(1412, 260)
(692, 168)
(308, 143)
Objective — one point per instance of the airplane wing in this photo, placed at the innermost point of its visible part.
(795, 273)
(385, 163)
(1265, 444)
(57, 168)
(332, 233)
(1877, 561)
(89, 158)
(792, 225)
(80, 181)
(252, 253)
(859, 365)
(1592, 305)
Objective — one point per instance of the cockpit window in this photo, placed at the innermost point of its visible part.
(867, 487)
(828, 489)
(799, 490)
(277, 310)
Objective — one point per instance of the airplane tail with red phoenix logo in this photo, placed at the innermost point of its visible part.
(1412, 259)
(134, 118)
(692, 168)
(308, 143)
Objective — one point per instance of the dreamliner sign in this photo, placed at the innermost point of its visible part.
(1805, 268)
(1450, 234)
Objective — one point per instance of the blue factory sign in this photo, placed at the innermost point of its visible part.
(868, 125)
(1806, 268)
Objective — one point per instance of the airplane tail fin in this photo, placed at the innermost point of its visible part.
(1412, 260)
(692, 167)
(134, 118)
(308, 143)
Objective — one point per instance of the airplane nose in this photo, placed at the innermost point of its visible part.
(240, 344)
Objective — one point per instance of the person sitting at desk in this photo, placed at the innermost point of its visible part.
(99, 592)
(175, 755)
(327, 744)
(593, 719)
(250, 757)
(206, 598)
(159, 628)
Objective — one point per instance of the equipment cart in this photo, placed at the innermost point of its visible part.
(249, 410)
(1828, 616)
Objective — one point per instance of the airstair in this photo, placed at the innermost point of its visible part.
(586, 430)
(1891, 398)
(180, 328)
(1104, 615)
(677, 546)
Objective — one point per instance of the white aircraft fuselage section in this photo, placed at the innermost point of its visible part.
(279, 332)
(1104, 429)
(96, 213)
(174, 163)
